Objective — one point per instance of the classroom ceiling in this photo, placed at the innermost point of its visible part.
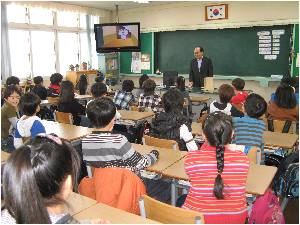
(111, 5)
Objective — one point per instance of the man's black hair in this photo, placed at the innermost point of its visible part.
(98, 90)
(38, 80)
(127, 85)
(255, 105)
(173, 100)
(29, 102)
(101, 111)
(99, 79)
(12, 80)
(9, 90)
(56, 78)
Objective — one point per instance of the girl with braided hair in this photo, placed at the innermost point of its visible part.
(218, 175)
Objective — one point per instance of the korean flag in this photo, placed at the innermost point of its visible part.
(216, 12)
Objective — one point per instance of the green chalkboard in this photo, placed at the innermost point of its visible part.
(146, 48)
(233, 51)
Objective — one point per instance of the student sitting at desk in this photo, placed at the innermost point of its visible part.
(218, 175)
(29, 125)
(285, 106)
(39, 88)
(172, 124)
(149, 99)
(11, 95)
(291, 81)
(140, 90)
(53, 89)
(249, 129)
(124, 97)
(180, 83)
(82, 84)
(238, 85)
(38, 179)
(67, 103)
(103, 149)
(225, 93)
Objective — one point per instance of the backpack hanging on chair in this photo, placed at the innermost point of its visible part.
(266, 209)
(286, 180)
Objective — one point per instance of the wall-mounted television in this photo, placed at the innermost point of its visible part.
(117, 37)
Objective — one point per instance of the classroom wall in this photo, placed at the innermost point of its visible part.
(193, 13)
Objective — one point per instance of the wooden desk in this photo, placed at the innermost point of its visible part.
(114, 215)
(134, 117)
(259, 177)
(199, 99)
(86, 97)
(78, 203)
(282, 140)
(167, 157)
(4, 156)
(70, 133)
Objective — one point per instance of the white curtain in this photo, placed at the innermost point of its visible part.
(5, 52)
(61, 7)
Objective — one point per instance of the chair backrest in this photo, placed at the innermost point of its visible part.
(186, 102)
(164, 213)
(53, 99)
(89, 92)
(162, 143)
(254, 155)
(134, 108)
(238, 106)
(116, 187)
(279, 124)
(62, 117)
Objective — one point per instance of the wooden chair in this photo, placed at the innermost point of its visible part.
(238, 106)
(53, 99)
(279, 124)
(162, 143)
(164, 213)
(134, 108)
(254, 155)
(62, 117)
(89, 93)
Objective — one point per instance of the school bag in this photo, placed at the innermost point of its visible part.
(266, 209)
(139, 132)
(286, 180)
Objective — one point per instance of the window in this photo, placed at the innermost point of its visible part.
(39, 47)
(20, 53)
(41, 16)
(16, 14)
(68, 50)
(67, 19)
(43, 54)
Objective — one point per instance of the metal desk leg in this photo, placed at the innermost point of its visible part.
(173, 194)
(284, 203)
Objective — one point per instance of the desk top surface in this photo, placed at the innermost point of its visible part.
(196, 128)
(68, 132)
(4, 156)
(282, 140)
(199, 99)
(258, 180)
(134, 115)
(78, 203)
(114, 215)
(167, 157)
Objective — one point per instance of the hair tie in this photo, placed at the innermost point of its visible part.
(51, 137)
(219, 173)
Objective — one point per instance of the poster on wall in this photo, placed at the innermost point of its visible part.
(145, 61)
(136, 62)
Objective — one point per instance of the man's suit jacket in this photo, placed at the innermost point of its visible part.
(206, 71)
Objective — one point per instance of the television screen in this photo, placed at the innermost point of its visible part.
(117, 37)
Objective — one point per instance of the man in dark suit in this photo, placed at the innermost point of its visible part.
(200, 67)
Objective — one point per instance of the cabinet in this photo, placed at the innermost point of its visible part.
(73, 76)
(109, 65)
